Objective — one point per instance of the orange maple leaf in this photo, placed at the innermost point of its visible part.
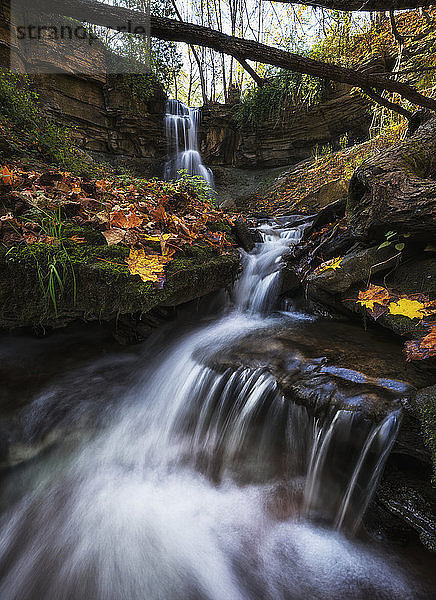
(375, 294)
(126, 221)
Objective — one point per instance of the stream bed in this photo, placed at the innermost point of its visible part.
(231, 456)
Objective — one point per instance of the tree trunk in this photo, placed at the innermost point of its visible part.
(171, 30)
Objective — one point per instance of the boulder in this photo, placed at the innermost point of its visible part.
(355, 267)
(425, 404)
(328, 193)
(243, 234)
(396, 189)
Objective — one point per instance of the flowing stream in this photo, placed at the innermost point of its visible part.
(199, 479)
(181, 125)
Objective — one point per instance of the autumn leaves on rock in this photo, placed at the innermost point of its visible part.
(154, 219)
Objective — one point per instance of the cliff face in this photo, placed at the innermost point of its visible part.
(276, 144)
(107, 119)
(108, 122)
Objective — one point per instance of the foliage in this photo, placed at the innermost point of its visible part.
(19, 104)
(292, 192)
(141, 56)
(392, 237)
(153, 219)
(194, 184)
(282, 91)
(333, 264)
(379, 301)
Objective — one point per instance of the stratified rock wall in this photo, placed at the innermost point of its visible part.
(107, 118)
(288, 141)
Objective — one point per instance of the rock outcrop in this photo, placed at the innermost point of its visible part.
(284, 142)
(108, 118)
(396, 190)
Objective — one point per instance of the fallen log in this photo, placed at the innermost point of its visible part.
(115, 17)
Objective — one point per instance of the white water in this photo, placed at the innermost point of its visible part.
(205, 484)
(181, 126)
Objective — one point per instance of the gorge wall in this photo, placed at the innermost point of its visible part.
(113, 124)
(288, 141)
(108, 120)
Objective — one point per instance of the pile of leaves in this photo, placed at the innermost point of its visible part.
(154, 219)
(379, 300)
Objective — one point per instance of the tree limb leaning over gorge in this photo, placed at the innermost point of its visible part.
(168, 29)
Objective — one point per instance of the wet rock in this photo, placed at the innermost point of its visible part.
(4, 445)
(327, 194)
(412, 505)
(291, 281)
(329, 213)
(243, 234)
(355, 267)
(396, 189)
(228, 204)
(425, 403)
(415, 275)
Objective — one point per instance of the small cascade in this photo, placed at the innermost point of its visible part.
(259, 285)
(207, 482)
(181, 126)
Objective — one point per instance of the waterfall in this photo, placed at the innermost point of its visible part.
(181, 127)
(206, 483)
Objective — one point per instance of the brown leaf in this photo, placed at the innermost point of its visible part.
(113, 236)
(125, 221)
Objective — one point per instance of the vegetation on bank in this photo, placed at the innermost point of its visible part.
(295, 191)
(26, 130)
(349, 44)
(133, 242)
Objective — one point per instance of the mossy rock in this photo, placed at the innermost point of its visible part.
(96, 283)
(426, 407)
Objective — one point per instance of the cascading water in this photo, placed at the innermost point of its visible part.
(205, 481)
(181, 126)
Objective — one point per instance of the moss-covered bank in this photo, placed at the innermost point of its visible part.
(95, 283)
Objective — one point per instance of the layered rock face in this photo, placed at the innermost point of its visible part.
(396, 189)
(108, 118)
(282, 143)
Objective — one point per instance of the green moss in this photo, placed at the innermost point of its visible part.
(104, 286)
(426, 403)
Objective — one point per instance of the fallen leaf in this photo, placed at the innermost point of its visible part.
(407, 308)
(334, 263)
(77, 239)
(150, 267)
(157, 238)
(375, 294)
(113, 236)
(421, 349)
(125, 221)
(61, 186)
(29, 237)
(7, 176)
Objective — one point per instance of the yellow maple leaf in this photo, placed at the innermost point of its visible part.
(334, 263)
(149, 267)
(157, 238)
(408, 308)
